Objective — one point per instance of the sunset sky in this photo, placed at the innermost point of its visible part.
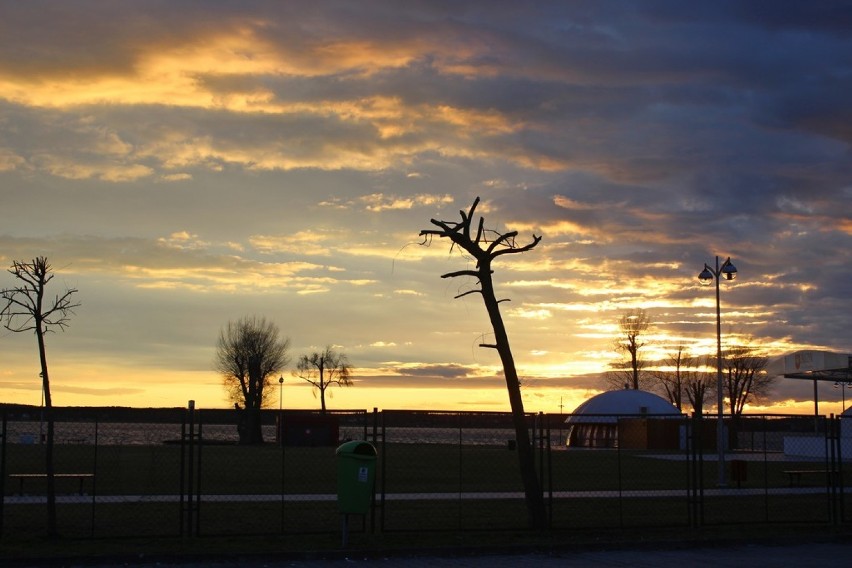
(183, 164)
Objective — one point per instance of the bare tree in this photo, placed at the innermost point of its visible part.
(671, 378)
(485, 246)
(26, 308)
(744, 379)
(249, 352)
(323, 370)
(682, 379)
(629, 372)
(699, 386)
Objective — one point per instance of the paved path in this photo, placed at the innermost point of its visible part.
(810, 555)
(469, 495)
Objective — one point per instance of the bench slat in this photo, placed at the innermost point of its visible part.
(22, 476)
(16, 475)
(798, 473)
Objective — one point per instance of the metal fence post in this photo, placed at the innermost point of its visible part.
(95, 476)
(841, 492)
(2, 472)
(695, 455)
(765, 424)
(382, 461)
(833, 439)
(189, 496)
(459, 503)
(190, 469)
(282, 443)
(549, 455)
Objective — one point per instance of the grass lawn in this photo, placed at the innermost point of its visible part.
(605, 492)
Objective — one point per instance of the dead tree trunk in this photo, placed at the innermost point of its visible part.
(485, 249)
(50, 468)
(25, 308)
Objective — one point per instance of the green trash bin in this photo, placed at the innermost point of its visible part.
(356, 476)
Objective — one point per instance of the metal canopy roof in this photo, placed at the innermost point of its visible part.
(813, 365)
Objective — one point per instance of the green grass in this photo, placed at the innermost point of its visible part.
(155, 470)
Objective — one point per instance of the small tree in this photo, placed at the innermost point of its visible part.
(26, 308)
(249, 352)
(699, 385)
(323, 370)
(672, 377)
(629, 371)
(743, 376)
(744, 381)
(485, 246)
(682, 380)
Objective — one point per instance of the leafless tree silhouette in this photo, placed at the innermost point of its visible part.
(26, 308)
(630, 371)
(485, 246)
(682, 380)
(744, 379)
(323, 370)
(700, 386)
(249, 352)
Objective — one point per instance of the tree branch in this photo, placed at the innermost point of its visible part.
(502, 238)
(524, 248)
(473, 273)
(467, 294)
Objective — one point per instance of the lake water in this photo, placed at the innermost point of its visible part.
(119, 433)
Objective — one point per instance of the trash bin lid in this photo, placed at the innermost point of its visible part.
(356, 448)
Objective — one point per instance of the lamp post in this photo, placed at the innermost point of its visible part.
(41, 412)
(707, 276)
(280, 409)
(842, 385)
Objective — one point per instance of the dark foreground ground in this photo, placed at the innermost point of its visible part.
(816, 554)
(786, 548)
(780, 556)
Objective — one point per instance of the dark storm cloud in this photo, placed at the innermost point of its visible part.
(443, 371)
(819, 105)
(211, 150)
(831, 17)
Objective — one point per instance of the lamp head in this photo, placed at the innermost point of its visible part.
(706, 276)
(729, 270)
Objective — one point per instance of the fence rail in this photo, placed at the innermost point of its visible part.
(169, 472)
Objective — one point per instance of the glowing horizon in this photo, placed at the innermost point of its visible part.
(186, 167)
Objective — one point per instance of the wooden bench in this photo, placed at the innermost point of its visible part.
(21, 477)
(796, 474)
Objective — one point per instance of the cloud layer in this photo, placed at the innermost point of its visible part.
(186, 164)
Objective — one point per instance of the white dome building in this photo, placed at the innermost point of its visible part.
(625, 418)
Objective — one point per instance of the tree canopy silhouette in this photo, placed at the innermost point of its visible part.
(249, 351)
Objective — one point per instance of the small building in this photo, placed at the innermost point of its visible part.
(629, 419)
(815, 446)
(307, 429)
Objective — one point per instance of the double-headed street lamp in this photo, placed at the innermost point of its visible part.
(707, 276)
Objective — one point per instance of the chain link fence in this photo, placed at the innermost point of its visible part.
(182, 472)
